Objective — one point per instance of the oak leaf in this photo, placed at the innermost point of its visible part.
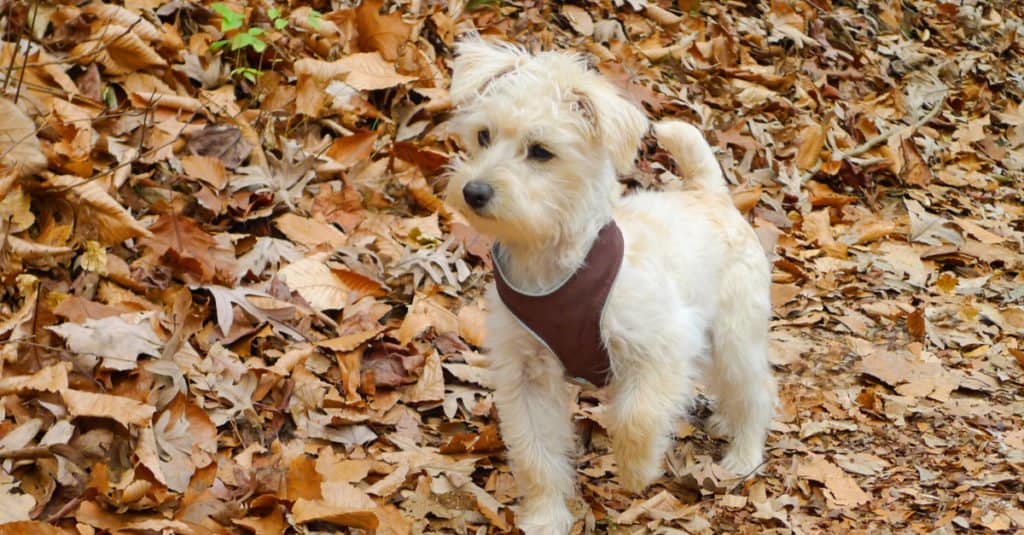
(117, 340)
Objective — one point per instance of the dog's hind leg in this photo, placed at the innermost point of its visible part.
(533, 404)
(651, 389)
(740, 375)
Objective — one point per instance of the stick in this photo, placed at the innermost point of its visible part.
(879, 139)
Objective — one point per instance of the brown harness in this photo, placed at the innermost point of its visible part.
(568, 319)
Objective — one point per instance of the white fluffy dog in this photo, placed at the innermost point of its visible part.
(546, 139)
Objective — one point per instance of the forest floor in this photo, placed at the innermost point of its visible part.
(232, 300)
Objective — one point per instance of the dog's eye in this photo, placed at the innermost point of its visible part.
(483, 137)
(539, 153)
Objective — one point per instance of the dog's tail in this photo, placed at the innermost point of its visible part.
(692, 154)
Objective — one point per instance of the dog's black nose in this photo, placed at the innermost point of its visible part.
(477, 194)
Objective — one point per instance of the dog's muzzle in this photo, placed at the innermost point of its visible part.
(477, 194)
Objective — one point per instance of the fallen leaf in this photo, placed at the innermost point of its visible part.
(19, 146)
(125, 411)
(118, 340)
(841, 490)
(317, 283)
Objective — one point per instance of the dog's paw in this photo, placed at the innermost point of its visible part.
(545, 517)
(718, 426)
(635, 476)
(742, 461)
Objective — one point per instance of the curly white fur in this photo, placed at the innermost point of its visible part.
(691, 299)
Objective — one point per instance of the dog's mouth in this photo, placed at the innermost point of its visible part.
(481, 213)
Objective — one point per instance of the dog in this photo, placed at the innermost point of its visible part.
(545, 140)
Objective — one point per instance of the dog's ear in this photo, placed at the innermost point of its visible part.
(477, 63)
(619, 124)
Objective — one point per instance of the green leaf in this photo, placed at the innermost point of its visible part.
(217, 45)
(477, 4)
(314, 18)
(274, 13)
(247, 39)
(109, 97)
(280, 23)
(229, 18)
(248, 73)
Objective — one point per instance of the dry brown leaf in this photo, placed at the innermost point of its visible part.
(386, 34)
(915, 169)
(317, 283)
(91, 514)
(309, 233)
(119, 49)
(207, 169)
(118, 340)
(661, 506)
(841, 490)
(353, 149)
(115, 14)
(124, 410)
(430, 386)
(579, 19)
(745, 200)
(870, 230)
(49, 379)
(424, 313)
(364, 72)
(273, 523)
(362, 285)
(27, 250)
(812, 140)
(27, 527)
(306, 511)
(19, 146)
(472, 324)
(350, 341)
(100, 213)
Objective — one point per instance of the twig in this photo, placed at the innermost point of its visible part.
(879, 139)
(14, 48)
(21, 76)
(31, 452)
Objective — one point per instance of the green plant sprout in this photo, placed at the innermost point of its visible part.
(232, 20)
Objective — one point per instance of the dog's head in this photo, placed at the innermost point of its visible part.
(545, 138)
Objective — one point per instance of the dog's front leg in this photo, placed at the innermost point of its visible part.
(533, 404)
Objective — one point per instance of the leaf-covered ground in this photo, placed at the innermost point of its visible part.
(232, 300)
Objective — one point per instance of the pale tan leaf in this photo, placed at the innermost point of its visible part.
(430, 386)
(113, 14)
(316, 283)
(579, 19)
(390, 483)
(472, 324)
(309, 233)
(124, 410)
(426, 312)
(118, 340)
(365, 71)
(662, 506)
(349, 342)
(27, 250)
(49, 379)
(21, 435)
(841, 489)
(305, 511)
(19, 146)
(15, 506)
